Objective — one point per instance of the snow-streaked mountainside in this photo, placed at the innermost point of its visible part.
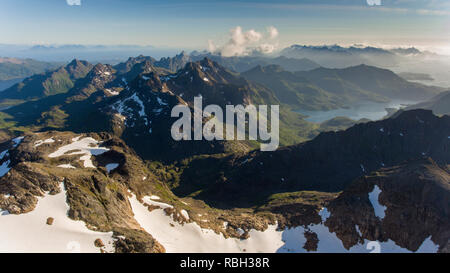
(187, 238)
(116, 203)
(29, 232)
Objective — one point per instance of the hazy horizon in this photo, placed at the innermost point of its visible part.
(200, 24)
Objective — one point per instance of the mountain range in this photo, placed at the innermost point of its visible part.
(324, 88)
(337, 56)
(439, 104)
(88, 154)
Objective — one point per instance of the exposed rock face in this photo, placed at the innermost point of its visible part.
(137, 241)
(416, 197)
(99, 243)
(131, 62)
(175, 63)
(216, 85)
(25, 182)
(141, 115)
(95, 196)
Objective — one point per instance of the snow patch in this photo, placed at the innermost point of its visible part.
(147, 200)
(40, 142)
(4, 168)
(29, 232)
(111, 166)
(362, 168)
(373, 197)
(114, 93)
(185, 214)
(191, 238)
(160, 101)
(85, 147)
(66, 166)
(17, 141)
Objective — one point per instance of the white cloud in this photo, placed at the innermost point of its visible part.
(374, 2)
(243, 43)
(73, 2)
(273, 32)
(211, 46)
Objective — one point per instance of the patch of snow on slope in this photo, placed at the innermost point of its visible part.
(160, 101)
(140, 103)
(373, 197)
(329, 243)
(148, 200)
(114, 93)
(2, 154)
(40, 142)
(29, 232)
(17, 141)
(4, 168)
(66, 166)
(294, 239)
(185, 214)
(190, 237)
(111, 166)
(125, 111)
(85, 147)
(362, 168)
(358, 230)
(324, 214)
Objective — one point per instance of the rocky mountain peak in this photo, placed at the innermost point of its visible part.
(101, 71)
(416, 191)
(131, 62)
(148, 81)
(78, 69)
(76, 63)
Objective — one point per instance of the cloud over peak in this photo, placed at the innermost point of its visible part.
(73, 2)
(242, 43)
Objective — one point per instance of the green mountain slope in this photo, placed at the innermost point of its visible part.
(50, 83)
(13, 68)
(324, 89)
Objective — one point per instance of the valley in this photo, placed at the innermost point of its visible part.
(367, 110)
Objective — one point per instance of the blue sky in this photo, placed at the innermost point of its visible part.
(190, 24)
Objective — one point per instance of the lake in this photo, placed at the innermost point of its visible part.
(369, 110)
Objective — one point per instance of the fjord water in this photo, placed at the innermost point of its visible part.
(368, 110)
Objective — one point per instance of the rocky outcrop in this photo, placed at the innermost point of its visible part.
(95, 195)
(416, 199)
